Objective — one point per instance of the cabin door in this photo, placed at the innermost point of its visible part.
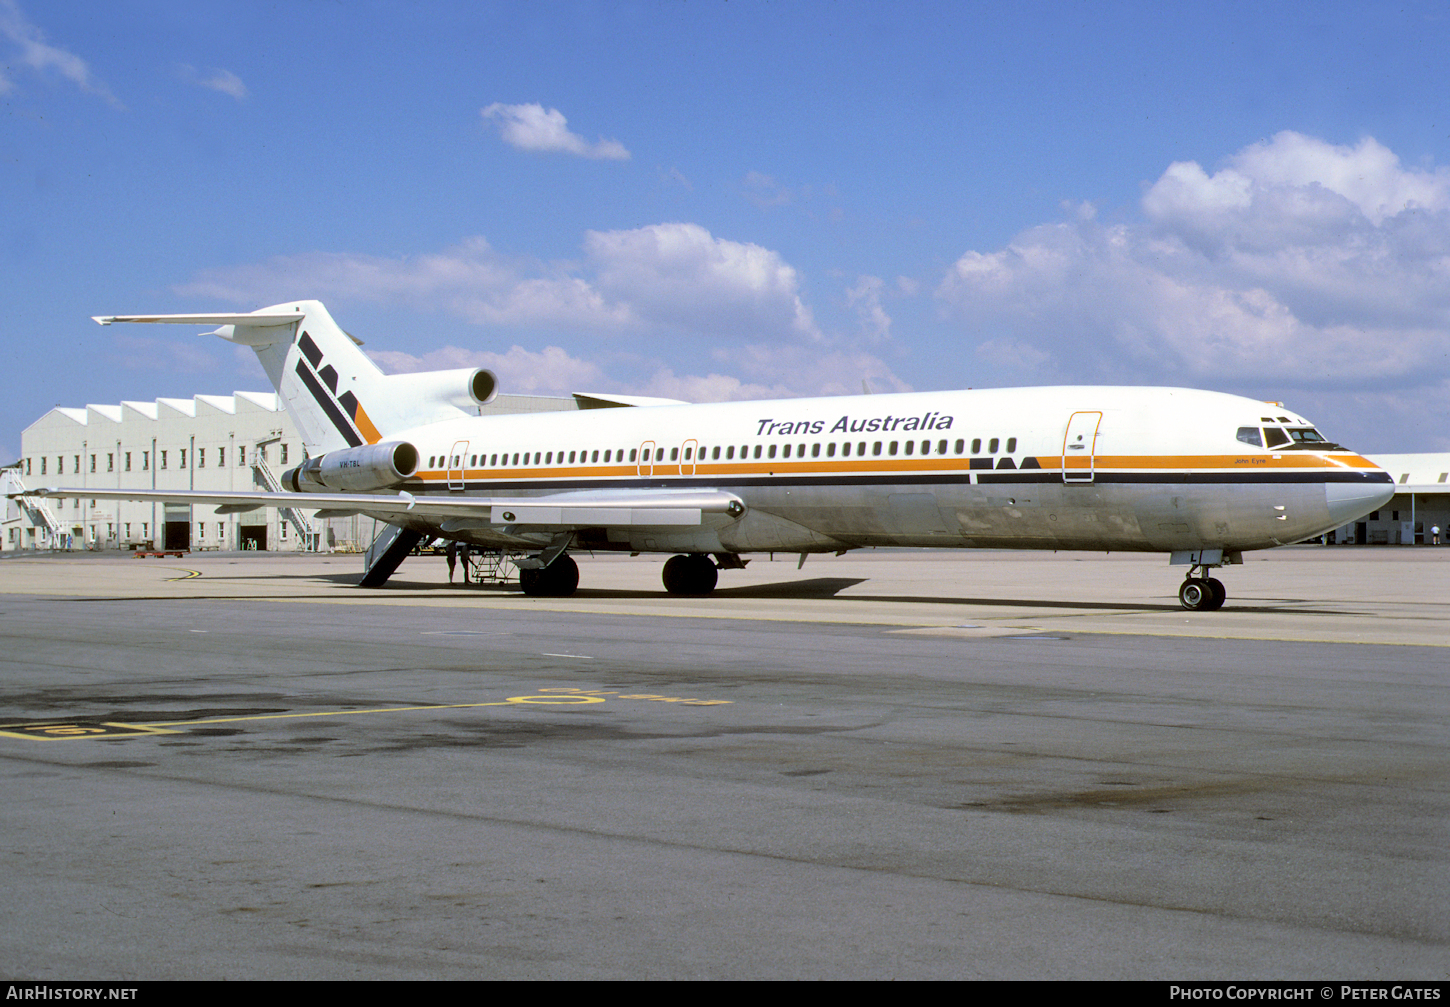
(647, 459)
(456, 460)
(1079, 447)
(688, 452)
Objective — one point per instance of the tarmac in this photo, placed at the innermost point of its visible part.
(889, 765)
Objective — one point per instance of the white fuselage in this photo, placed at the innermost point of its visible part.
(1095, 468)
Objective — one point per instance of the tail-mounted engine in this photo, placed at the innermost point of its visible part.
(371, 467)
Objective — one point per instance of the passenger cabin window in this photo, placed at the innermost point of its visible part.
(992, 446)
(1011, 445)
(1250, 435)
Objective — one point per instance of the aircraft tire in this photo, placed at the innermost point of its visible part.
(694, 575)
(1195, 595)
(559, 579)
(1218, 594)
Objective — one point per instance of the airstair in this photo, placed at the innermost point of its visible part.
(299, 521)
(35, 507)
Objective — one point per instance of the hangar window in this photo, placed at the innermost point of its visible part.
(1250, 435)
(93, 463)
(128, 461)
(43, 462)
(111, 462)
(78, 464)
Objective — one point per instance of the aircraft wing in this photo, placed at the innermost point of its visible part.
(259, 319)
(579, 509)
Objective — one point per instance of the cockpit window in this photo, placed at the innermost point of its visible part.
(1250, 435)
(1274, 437)
(1308, 437)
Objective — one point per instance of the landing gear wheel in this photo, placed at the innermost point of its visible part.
(1195, 595)
(1218, 595)
(695, 574)
(559, 579)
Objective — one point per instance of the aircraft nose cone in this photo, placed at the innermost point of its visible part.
(1349, 501)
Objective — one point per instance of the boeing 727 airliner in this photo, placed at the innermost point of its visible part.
(1202, 476)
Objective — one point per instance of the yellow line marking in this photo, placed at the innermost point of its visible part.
(68, 732)
(542, 700)
(190, 574)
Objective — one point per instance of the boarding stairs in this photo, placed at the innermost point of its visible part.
(299, 521)
(38, 510)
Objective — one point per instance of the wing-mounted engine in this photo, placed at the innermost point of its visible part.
(355, 470)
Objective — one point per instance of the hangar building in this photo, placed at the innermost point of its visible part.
(238, 442)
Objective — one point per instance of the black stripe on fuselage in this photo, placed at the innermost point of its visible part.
(1015, 477)
(348, 431)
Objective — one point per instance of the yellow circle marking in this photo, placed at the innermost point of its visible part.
(557, 700)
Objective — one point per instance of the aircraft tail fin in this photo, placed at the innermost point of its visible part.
(336, 396)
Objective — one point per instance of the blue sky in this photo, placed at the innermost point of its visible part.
(711, 200)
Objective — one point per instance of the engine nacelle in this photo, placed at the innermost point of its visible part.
(371, 467)
(466, 387)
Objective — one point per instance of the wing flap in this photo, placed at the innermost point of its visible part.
(579, 509)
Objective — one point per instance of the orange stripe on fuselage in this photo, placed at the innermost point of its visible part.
(841, 466)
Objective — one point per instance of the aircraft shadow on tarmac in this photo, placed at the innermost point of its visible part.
(820, 588)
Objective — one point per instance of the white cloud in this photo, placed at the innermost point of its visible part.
(38, 55)
(865, 298)
(733, 306)
(681, 276)
(533, 127)
(218, 80)
(1298, 262)
(659, 279)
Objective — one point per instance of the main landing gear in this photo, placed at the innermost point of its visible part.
(694, 574)
(1203, 593)
(557, 580)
